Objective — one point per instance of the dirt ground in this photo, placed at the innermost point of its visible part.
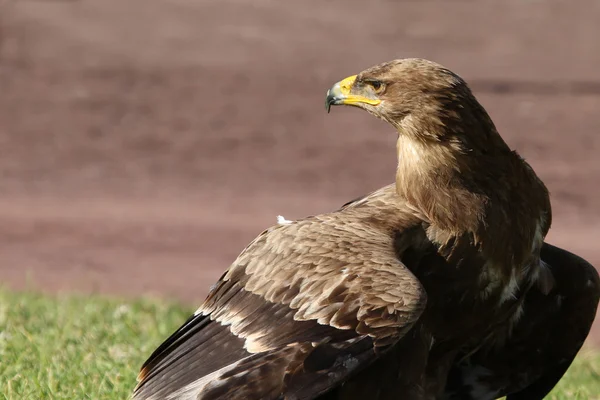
(144, 143)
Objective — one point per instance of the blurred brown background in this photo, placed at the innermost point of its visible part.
(144, 143)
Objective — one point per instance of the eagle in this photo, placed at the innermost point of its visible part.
(438, 286)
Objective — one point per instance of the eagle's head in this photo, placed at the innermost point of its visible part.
(453, 166)
(420, 98)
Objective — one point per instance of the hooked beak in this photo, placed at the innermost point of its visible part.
(344, 93)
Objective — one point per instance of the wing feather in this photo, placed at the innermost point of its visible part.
(543, 343)
(305, 305)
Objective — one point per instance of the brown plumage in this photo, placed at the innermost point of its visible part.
(384, 297)
(299, 310)
(543, 343)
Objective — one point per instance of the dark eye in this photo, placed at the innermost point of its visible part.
(377, 86)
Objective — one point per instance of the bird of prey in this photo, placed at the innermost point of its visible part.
(392, 294)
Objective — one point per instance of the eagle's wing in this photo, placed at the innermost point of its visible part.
(304, 306)
(544, 342)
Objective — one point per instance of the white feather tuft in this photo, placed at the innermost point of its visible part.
(282, 221)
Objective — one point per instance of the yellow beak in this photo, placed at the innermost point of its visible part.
(342, 94)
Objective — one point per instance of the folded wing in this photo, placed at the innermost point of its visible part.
(305, 305)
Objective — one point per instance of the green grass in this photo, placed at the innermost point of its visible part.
(78, 347)
(582, 380)
(75, 347)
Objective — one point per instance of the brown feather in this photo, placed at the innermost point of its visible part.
(280, 295)
(543, 343)
(341, 297)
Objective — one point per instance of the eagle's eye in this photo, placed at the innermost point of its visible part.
(378, 86)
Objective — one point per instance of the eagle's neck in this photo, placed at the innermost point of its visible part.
(485, 193)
